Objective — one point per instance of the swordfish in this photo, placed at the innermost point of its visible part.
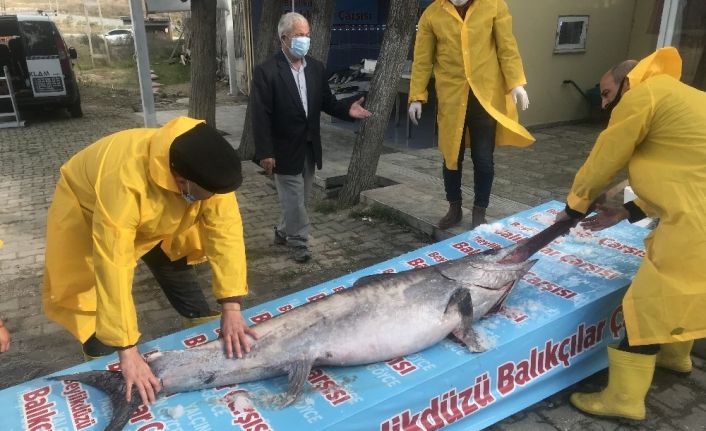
(381, 317)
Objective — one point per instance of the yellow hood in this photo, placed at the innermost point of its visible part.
(663, 61)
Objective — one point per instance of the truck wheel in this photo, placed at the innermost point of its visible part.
(75, 109)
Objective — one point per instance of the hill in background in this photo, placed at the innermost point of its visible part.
(109, 8)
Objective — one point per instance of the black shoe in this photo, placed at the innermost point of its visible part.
(301, 254)
(280, 238)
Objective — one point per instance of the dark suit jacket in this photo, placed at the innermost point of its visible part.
(281, 128)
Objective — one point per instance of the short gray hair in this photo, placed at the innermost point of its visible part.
(286, 22)
(621, 70)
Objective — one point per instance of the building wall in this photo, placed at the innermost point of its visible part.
(643, 36)
(610, 31)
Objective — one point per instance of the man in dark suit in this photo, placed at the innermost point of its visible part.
(289, 92)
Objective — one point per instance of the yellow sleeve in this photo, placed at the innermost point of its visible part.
(627, 128)
(115, 221)
(221, 230)
(424, 52)
(508, 53)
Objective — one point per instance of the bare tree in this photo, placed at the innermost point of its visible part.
(266, 45)
(202, 102)
(380, 100)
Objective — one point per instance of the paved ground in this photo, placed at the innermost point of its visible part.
(342, 242)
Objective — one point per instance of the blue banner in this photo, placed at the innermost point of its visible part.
(356, 12)
(551, 333)
(347, 12)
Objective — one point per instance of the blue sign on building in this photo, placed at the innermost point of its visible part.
(346, 12)
(356, 12)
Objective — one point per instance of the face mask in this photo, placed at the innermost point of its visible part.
(459, 3)
(300, 46)
(188, 197)
(609, 107)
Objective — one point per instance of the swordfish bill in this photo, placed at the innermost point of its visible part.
(381, 317)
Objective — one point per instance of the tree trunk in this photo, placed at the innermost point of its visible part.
(320, 23)
(221, 45)
(239, 7)
(380, 100)
(266, 45)
(202, 102)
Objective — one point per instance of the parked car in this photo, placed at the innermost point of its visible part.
(39, 63)
(119, 36)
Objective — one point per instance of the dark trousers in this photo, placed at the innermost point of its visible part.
(482, 129)
(178, 282)
(647, 349)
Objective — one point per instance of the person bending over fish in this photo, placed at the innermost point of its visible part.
(165, 196)
(657, 131)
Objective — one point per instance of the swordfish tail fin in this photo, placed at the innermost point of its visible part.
(113, 384)
(529, 246)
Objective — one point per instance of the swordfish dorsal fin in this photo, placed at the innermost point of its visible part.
(113, 385)
(370, 279)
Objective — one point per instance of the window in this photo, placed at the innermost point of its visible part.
(571, 34)
(40, 38)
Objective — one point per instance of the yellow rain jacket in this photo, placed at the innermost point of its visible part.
(116, 200)
(478, 53)
(658, 131)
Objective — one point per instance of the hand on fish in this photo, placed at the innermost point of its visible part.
(606, 217)
(137, 373)
(563, 216)
(235, 331)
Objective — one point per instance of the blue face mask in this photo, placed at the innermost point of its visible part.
(188, 197)
(300, 46)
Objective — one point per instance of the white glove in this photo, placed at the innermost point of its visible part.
(519, 93)
(415, 112)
